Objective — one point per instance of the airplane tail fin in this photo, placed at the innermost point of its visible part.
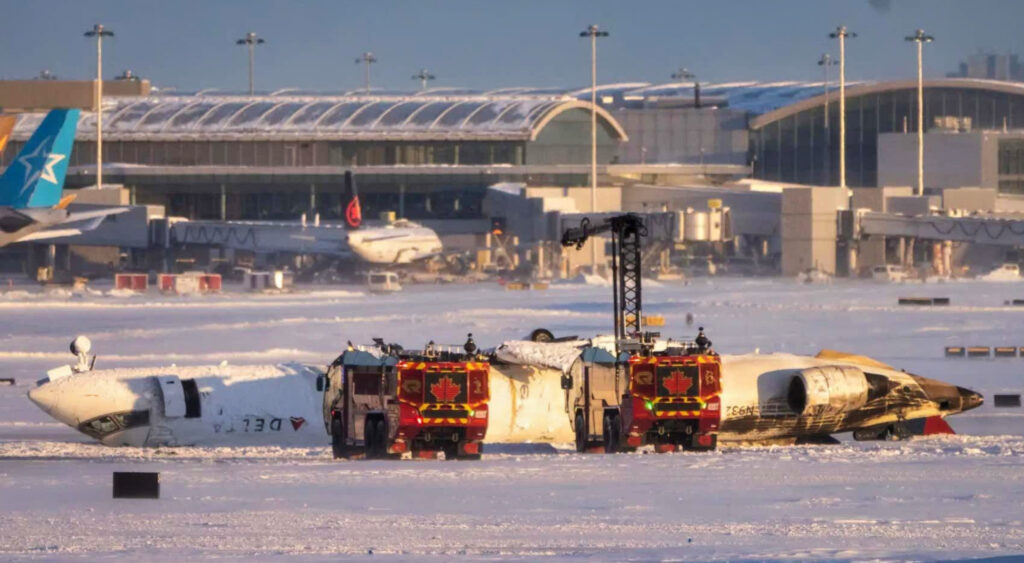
(929, 426)
(6, 126)
(353, 212)
(35, 177)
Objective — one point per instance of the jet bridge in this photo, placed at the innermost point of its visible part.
(978, 229)
(263, 237)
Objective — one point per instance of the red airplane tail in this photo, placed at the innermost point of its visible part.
(353, 211)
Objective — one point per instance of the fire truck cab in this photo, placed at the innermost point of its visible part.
(669, 399)
(380, 405)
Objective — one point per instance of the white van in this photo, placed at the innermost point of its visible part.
(889, 273)
(383, 282)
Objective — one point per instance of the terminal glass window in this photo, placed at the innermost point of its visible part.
(1011, 156)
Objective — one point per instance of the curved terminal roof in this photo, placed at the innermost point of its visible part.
(443, 113)
(865, 88)
(423, 116)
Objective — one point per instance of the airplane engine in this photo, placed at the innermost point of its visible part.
(827, 390)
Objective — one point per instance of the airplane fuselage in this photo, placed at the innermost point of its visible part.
(756, 402)
(395, 244)
(279, 405)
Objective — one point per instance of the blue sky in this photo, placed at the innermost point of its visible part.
(189, 44)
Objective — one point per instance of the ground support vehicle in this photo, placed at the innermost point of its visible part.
(388, 403)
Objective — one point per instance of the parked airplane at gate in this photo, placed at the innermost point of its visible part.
(31, 206)
(400, 242)
(772, 398)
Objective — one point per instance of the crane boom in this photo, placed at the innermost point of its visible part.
(626, 230)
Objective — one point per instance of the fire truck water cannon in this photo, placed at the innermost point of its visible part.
(668, 397)
(386, 401)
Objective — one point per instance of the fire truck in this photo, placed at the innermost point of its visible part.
(640, 391)
(384, 401)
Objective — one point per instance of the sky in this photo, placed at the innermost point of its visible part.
(189, 45)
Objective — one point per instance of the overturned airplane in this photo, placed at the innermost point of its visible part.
(763, 399)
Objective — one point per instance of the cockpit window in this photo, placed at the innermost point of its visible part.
(99, 427)
(132, 419)
(108, 424)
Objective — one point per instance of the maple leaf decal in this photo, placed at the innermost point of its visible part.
(445, 390)
(677, 383)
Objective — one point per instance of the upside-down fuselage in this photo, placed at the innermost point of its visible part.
(280, 405)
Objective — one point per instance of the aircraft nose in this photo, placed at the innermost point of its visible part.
(49, 398)
(969, 399)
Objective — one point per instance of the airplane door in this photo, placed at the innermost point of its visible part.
(173, 395)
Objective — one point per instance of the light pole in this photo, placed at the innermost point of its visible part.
(251, 40)
(367, 59)
(127, 76)
(423, 76)
(593, 32)
(920, 38)
(684, 74)
(824, 62)
(842, 33)
(99, 32)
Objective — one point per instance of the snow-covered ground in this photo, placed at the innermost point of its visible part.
(935, 498)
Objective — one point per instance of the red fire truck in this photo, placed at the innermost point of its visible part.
(675, 401)
(668, 399)
(388, 403)
(668, 396)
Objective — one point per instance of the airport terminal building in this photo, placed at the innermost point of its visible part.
(276, 157)
(433, 156)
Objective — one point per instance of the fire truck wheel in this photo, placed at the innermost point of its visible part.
(611, 431)
(370, 438)
(581, 433)
(338, 439)
(380, 438)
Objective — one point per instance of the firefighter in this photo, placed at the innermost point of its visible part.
(702, 341)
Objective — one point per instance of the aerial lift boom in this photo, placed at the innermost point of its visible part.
(626, 231)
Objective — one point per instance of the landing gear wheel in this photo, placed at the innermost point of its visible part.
(338, 447)
(581, 433)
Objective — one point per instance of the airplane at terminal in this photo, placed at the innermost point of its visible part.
(765, 399)
(31, 202)
(398, 243)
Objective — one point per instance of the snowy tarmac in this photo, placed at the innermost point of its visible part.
(927, 499)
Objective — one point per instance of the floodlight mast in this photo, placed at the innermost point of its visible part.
(423, 76)
(251, 40)
(593, 32)
(841, 33)
(825, 62)
(99, 32)
(684, 74)
(920, 37)
(366, 59)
